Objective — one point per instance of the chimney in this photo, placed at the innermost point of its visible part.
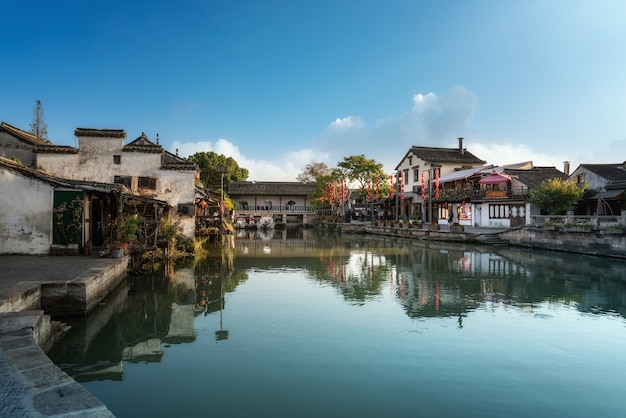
(461, 150)
(566, 167)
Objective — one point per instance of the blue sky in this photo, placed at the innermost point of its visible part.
(276, 84)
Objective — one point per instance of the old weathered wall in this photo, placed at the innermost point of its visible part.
(95, 162)
(26, 218)
(593, 243)
(11, 147)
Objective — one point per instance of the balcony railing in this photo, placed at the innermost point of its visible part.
(479, 194)
(276, 209)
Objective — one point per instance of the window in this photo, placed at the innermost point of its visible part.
(117, 159)
(147, 183)
(406, 176)
(416, 175)
(125, 180)
(410, 160)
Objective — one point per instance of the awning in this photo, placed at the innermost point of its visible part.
(609, 194)
(495, 178)
(462, 174)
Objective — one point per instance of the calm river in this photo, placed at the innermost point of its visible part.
(301, 325)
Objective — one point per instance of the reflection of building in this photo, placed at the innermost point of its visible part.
(146, 351)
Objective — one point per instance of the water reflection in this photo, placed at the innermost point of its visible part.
(428, 280)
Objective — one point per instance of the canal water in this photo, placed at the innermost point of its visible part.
(296, 324)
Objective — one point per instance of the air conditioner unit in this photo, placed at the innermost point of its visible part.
(187, 209)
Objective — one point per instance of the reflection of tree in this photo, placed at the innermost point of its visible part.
(215, 276)
(358, 274)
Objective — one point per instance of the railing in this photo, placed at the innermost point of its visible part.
(276, 209)
(459, 194)
(598, 222)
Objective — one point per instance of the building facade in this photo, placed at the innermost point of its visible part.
(143, 167)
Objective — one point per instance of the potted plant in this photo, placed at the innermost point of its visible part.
(433, 226)
(456, 227)
(126, 232)
(129, 228)
(577, 227)
(69, 223)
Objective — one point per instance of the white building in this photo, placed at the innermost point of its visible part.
(419, 169)
(143, 167)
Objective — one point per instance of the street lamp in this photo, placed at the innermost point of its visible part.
(431, 172)
(222, 169)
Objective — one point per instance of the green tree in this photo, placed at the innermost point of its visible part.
(38, 127)
(556, 197)
(208, 162)
(312, 171)
(360, 170)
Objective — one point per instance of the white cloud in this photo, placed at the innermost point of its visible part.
(284, 167)
(502, 154)
(433, 120)
(349, 122)
(422, 103)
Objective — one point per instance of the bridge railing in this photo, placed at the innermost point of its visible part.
(276, 209)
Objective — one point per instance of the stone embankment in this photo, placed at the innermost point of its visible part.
(604, 243)
(31, 289)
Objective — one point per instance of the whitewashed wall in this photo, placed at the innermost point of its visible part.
(94, 162)
(25, 215)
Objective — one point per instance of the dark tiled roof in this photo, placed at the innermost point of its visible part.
(536, 175)
(611, 172)
(56, 149)
(57, 181)
(143, 144)
(20, 134)
(174, 162)
(100, 133)
(444, 155)
(270, 188)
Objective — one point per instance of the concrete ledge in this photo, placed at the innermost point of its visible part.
(31, 384)
(78, 296)
(21, 297)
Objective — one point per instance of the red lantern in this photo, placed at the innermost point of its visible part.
(369, 190)
(402, 185)
(423, 187)
(436, 184)
(391, 188)
(377, 190)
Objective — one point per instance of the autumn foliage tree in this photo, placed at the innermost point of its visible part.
(313, 171)
(556, 197)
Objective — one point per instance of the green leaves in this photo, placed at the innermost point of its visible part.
(556, 196)
(208, 163)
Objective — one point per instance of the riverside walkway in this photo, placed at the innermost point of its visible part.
(30, 384)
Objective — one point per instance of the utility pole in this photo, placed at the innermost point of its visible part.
(222, 169)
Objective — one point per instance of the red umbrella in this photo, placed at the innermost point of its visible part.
(495, 178)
